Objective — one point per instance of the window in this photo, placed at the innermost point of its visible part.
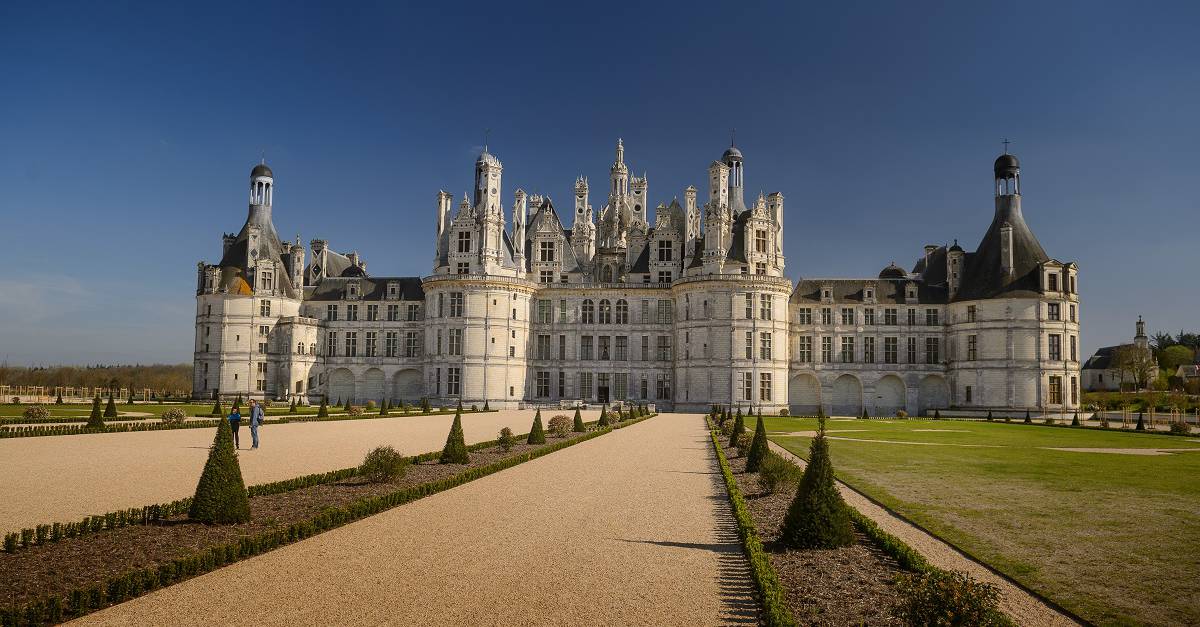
(562, 347)
(889, 316)
(620, 385)
(1072, 283)
(764, 345)
(562, 384)
(847, 315)
(264, 330)
(390, 344)
(760, 268)
(546, 251)
(546, 276)
(622, 312)
(912, 317)
(645, 312)
(562, 310)
(352, 344)
(764, 386)
(804, 352)
(804, 315)
(454, 342)
(352, 312)
(454, 381)
(585, 385)
(664, 277)
(826, 349)
(463, 267)
(912, 350)
(331, 343)
(299, 350)
(665, 312)
(644, 390)
(970, 313)
(1055, 347)
(1074, 384)
(889, 350)
(1074, 348)
(393, 313)
(331, 312)
(264, 308)
(847, 350)
(764, 308)
(544, 313)
(543, 348)
(372, 313)
(588, 312)
(605, 311)
(760, 241)
(931, 350)
(464, 242)
(543, 382)
(392, 291)
(1052, 311)
(663, 352)
(826, 315)
(645, 348)
(603, 347)
(968, 395)
(931, 317)
(439, 342)
(456, 304)
(972, 347)
(413, 312)
(262, 348)
(663, 386)
(869, 316)
(749, 306)
(869, 350)
(585, 347)
(369, 344)
(747, 386)
(664, 250)
(1056, 395)
(1052, 282)
(622, 348)
(749, 344)
(1073, 313)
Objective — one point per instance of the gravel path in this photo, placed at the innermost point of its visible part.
(61, 478)
(630, 528)
(1022, 606)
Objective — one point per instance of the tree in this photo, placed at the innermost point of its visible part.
(323, 411)
(1134, 365)
(537, 435)
(758, 447)
(383, 407)
(58, 401)
(110, 410)
(455, 451)
(221, 496)
(95, 421)
(217, 410)
(738, 429)
(578, 426)
(1141, 423)
(1028, 419)
(1172, 357)
(989, 415)
(348, 405)
(1075, 420)
(486, 407)
(818, 517)
(603, 422)
(292, 408)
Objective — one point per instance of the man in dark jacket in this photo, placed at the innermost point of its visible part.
(256, 418)
(235, 421)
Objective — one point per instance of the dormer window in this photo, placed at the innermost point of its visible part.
(464, 242)
(352, 290)
(393, 291)
(267, 282)
(760, 241)
(1052, 282)
(546, 251)
(911, 293)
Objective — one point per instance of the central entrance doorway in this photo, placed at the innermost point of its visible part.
(602, 395)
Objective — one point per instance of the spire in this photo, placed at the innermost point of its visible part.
(620, 151)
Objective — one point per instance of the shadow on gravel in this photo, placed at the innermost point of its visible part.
(738, 595)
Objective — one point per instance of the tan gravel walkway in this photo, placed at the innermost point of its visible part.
(61, 478)
(1024, 608)
(632, 528)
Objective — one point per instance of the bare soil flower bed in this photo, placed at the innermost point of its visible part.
(847, 586)
(57, 568)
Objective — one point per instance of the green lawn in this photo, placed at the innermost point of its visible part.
(192, 409)
(1114, 538)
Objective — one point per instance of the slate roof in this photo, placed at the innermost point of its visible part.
(982, 274)
(851, 291)
(370, 288)
(235, 262)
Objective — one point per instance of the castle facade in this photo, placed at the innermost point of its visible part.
(683, 307)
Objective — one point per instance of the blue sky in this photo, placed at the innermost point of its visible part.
(127, 133)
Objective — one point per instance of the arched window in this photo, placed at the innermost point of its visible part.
(605, 312)
(622, 312)
(588, 312)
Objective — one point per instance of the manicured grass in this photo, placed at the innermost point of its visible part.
(192, 409)
(1111, 537)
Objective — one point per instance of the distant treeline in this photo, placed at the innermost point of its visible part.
(161, 378)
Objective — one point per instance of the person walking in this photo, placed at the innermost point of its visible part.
(256, 418)
(235, 421)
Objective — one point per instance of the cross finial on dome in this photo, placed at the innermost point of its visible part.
(1006, 143)
(732, 137)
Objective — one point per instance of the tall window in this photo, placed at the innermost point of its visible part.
(454, 381)
(585, 347)
(663, 387)
(268, 280)
(605, 311)
(588, 312)
(372, 313)
(543, 347)
(912, 317)
(369, 344)
(1073, 313)
(664, 250)
(869, 316)
(331, 344)
(1053, 284)
(389, 344)
(264, 308)
(664, 348)
(393, 313)
(869, 350)
(352, 312)
(665, 312)
(889, 350)
(456, 304)
(454, 342)
(889, 316)
(760, 241)
(971, 313)
(764, 308)
(585, 385)
(1052, 310)
(972, 347)
(620, 385)
(764, 386)
(464, 242)
(1056, 395)
(546, 253)
(764, 345)
(622, 311)
(562, 310)
(804, 351)
(622, 348)
(351, 344)
(932, 354)
(543, 383)
(645, 348)
(603, 347)
(544, 313)
(749, 344)
(931, 317)
(412, 344)
(1074, 380)
(804, 315)
(826, 349)
(1074, 348)
(747, 386)
(847, 315)
(331, 312)
(847, 350)
(1055, 347)
(912, 350)
(645, 312)
(749, 306)
(826, 315)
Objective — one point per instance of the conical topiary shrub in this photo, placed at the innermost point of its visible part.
(455, 451)
(1141, 424)
(578, 426)
(865, 415)
(217, 410)
(537, 435)
(937, 414)
(460, 406)
(758, 447)
(603, 422)
(130, 401)
(817, 517)
(347, 406)
(738, 428)
(323, 410)
(486, 406)
(989, 415)
(1075, 420)
(383, 407)
(221, 494)
(1028, 419)
(110, 410)
(292, 407)
(95, 420)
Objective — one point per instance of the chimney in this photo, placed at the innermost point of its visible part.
(929, 248)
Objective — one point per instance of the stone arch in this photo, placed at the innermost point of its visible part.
(407, 386)
(934, 394)
(847, 396)
(372, 388)
(341, 385)
(890, 396)
(804, 395)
